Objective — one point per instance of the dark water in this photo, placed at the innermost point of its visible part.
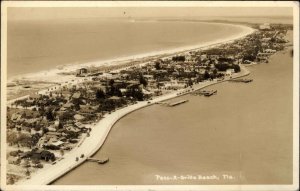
(39, 45)
(245, 131)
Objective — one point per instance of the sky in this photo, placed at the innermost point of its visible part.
(26, 13)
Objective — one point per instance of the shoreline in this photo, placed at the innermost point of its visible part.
(101, 130)
(54, 73)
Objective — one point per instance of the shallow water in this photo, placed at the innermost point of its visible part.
(245, 131)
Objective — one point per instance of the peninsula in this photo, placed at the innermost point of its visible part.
(53, 130)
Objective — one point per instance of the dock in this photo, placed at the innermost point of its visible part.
(161, 103)
(103, 160)
(206, 93)
(177, 102)
(241, 80)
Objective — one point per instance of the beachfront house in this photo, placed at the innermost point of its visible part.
(87, 109)
(229, 72)
(82, 71)
(262, 56)
(115, 98)
(270, 51)
(42, 155)
(78, 117)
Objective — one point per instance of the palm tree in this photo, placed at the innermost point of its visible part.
(27, 173)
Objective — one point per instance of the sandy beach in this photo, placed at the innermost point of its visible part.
(176, 95)
(131, 56)
(149, 96)
(55, 76)
(99, 132)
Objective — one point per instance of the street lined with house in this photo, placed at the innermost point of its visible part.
(56, 129)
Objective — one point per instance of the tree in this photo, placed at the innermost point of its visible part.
(27, 173)
(49, 115)
(34, 139)
(100, 94)
(143, 80)
(189, 83)
(157, 66)
(215, 72)
(206, 75)
(111, 82)
(178, 58)
(67, 116)
(118, 92)
(77, 106)
(198, 60)
(236, 68)
(249, 57)
(60, 125)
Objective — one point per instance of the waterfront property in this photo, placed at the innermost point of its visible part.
(42, 128)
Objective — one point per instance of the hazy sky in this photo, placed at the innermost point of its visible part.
(58, 13)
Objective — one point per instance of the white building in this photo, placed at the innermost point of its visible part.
(229, 72)
(269, 51)
(265, 26)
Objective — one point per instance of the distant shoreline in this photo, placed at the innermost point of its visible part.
(101, 130)
(54, 75)
(114, 61)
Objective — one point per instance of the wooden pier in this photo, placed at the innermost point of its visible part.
(241, 80)
(177, 102)
(161, 103)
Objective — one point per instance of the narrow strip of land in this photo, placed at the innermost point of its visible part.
(99, 133)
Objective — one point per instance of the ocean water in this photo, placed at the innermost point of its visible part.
(33, 46)
(245, 131)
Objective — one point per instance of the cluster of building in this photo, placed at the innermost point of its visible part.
(41, 128)
(264, 42)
